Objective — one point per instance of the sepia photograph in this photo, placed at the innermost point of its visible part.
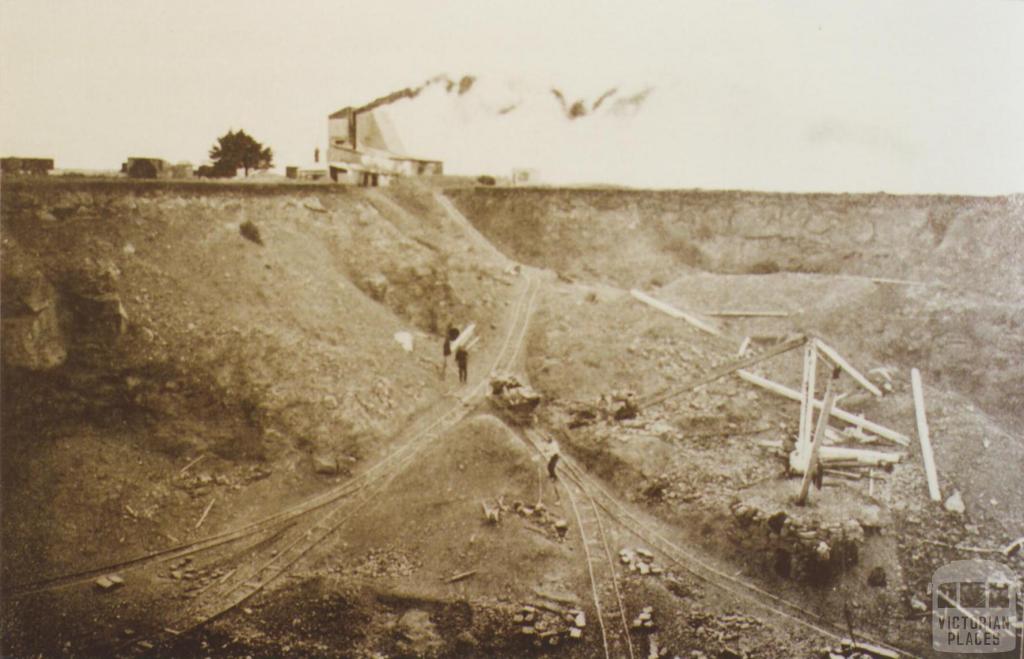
(573, 329)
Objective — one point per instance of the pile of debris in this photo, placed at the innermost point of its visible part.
(615, 406)
(538, 513)
(379, 563)
(711, 631)
(196, 579)
(644, 620)
(517, 400)
(550, 626)
(639, 560)
(801, 549)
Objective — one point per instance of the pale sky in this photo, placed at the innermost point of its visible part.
(812, 95)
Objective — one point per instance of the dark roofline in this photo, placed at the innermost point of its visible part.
(343, 112)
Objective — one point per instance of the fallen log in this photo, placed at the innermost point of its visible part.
(922, 433)
(675, 313)
(846, 366)
(842, 415)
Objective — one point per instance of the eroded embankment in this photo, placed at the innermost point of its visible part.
(146, 323)
(964, 327)
(636, 238)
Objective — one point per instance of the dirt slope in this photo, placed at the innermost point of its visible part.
(142, 329)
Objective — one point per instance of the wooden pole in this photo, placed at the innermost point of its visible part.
(819, 435)
(846, 366)
(675, 313)
(726, 313)
(721, 371)
(843, 415)
(803, 442)
(922, 433)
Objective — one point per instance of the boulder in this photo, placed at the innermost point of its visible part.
(955, 503)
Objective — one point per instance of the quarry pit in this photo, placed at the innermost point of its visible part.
(227, 430)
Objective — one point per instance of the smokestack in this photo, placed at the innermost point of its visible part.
(352, 128)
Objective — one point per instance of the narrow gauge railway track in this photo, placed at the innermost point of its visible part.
(602, 570)
(273, 561)
(703, 570)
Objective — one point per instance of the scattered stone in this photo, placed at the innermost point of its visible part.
(580, 620)
(250, 232)
(955, 503)
(325, 464)
(575, 633)
(917, 606)
(109, 582)
(405, 339)
(314, 204)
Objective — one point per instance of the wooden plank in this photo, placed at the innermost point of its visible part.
(726, 313)
(743, 346)
(853, 419)
(835, 455)
(205, 513)
(846, 366)
(721, 371)
(675, 313)
(922, 433)
(191, 464)
(463, 336)
(461, 576)
(803, 438)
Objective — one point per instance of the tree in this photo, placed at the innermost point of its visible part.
(239, 149)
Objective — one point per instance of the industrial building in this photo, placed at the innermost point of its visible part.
(363, 148)
(29, 166)
(141, 167)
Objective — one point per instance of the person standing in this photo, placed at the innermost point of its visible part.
(550, 450)
(462, 359)
(449, 336)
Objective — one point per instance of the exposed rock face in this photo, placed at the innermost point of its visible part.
(800, 549)
(32, 336)
(418, 635)
(579, 231)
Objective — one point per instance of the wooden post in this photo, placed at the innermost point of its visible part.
(819, 435)
(803, 442)
(922, 433)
